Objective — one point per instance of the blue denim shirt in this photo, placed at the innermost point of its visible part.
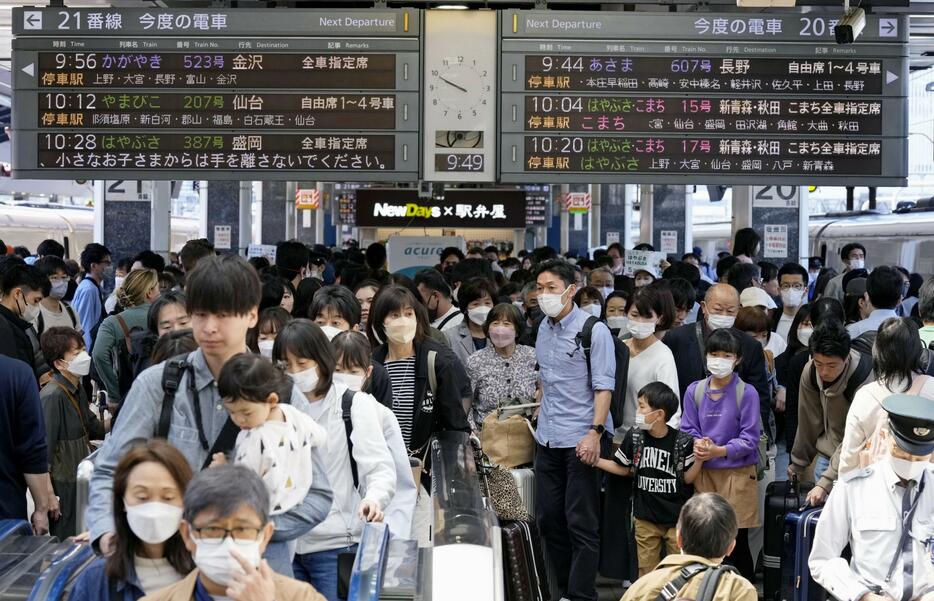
(93, 585)
(138, 422)
(568, 399)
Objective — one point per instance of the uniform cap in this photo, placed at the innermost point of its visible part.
(911, 422)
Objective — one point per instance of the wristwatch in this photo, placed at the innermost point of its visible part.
(598, 428)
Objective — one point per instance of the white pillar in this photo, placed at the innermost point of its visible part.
(594, 239)
(742, 209)
(630, 193)
(804, 234)
(646, 213)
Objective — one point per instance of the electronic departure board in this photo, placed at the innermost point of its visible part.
(701, 98)
(216, 94)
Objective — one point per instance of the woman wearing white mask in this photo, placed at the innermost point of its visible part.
(53, 311)
(430, 388)
(355, 370)
(616, 316)
(261, 338)
(504, 370)
(475, 299)
(149, 485)
(591, 301)
(358, 463)
(726, 429)
(70, 425)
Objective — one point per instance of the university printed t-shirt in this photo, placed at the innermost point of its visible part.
(659, 492)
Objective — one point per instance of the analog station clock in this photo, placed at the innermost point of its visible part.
(460, 96)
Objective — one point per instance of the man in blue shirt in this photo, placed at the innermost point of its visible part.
(884, 292)
(571, 432)
(89, 300)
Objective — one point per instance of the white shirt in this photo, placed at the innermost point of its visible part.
(871, 323)
(155, 574)
(402, 507)
(280, 453)
(866, 412)
(451, 323)
(375, 470)
(51, 319)
(654, 364)
(864, 510)
(784, 326)
(776, 344)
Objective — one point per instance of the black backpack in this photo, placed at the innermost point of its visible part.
(125, 358)
(621, 351)
(172, 374)
(863, 369)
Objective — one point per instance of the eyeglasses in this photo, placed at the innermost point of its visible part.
(792, 286)
(216, 536)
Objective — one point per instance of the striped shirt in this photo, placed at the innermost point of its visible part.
(402, 375)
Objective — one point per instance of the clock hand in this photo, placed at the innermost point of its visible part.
(451, 83)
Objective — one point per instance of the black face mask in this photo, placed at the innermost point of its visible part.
(534, 314)
(432, 313)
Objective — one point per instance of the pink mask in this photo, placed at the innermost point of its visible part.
(501, 336)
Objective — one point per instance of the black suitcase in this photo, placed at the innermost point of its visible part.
(781, 498)
(523, 564)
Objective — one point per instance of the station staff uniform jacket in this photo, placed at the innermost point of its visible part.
(865, 511)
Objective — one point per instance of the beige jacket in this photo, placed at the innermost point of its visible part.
(732, 586)
(866, 412)
(287, 589)
(822, 420)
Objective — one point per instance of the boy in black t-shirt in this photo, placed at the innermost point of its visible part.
(661, 462)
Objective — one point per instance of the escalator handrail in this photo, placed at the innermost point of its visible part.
(372, 554)
(52, 582)
(13, 527)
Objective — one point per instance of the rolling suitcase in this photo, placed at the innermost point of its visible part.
(523, 564)
(781, 497)
(525, 482)
(797, 584)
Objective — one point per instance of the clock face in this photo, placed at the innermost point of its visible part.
(460, 88)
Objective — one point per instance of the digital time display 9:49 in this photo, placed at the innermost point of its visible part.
(459, 162)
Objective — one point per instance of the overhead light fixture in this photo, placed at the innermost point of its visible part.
(452, 7)
(852, 24)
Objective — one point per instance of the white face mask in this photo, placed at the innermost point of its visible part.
(218, 564)
(351, 381)
(606, 292)
(265, 348)
(804, 335)
(519, 305)
(551, 304)
(641, 330)
(59, 289)
(154, 522)
(908, 470)
(401, 330)
(593, 308)
(618, 322)
(719, 367)
(720, 322)
(792, 297)
(857, 263)
(330, 331)
(80, 365)
(642, 424)
(30, 312)
(307, 380)
(478, 314)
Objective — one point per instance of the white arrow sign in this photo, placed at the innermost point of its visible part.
(890, 77)
(30, 69)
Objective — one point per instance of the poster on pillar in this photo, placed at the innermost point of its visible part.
(410, 254)
(670, 212)
(775, 211)
(775, 241)
(669, 244)
(222, 237)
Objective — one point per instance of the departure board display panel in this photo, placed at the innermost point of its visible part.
(216, 94)
(705, 98)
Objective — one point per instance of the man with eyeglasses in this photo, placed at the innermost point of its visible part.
(793, 286)
(226, 527)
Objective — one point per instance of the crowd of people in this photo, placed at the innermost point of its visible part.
(255, 414)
